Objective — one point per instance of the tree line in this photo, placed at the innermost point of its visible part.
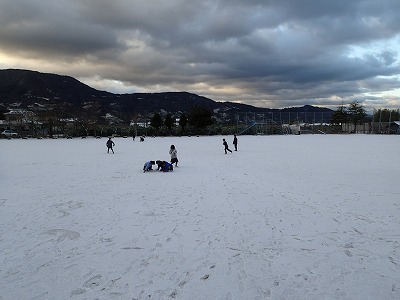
(356, 115)
(386, 115)
(199, 118)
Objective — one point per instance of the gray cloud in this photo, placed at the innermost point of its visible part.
(265, 53)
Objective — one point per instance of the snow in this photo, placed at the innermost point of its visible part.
(284, 217)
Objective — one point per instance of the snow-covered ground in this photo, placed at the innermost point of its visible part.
(284, 217)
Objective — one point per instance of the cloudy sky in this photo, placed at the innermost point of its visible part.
(267, 53)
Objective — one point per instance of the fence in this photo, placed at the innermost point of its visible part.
(284, 117)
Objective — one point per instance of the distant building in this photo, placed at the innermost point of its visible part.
(394, 127)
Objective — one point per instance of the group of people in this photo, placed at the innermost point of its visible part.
(141, 138)
(163, 165)
(226, 147)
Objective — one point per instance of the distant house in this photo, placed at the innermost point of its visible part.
(112, 119)
(21, 118)
(394, 127)
(18, 116)
(3, 125)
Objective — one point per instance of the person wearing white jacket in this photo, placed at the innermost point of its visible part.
(174, 155)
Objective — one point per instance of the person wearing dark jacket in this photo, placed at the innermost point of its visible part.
(168, 167)
(226, 146)
(235, 142)
(110, 145)
(164, 166)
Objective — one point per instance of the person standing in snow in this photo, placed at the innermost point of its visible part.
(226, 146)
(235, 141)
(174, 155)
(110, 145)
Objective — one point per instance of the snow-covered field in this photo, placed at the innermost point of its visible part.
(284, 217)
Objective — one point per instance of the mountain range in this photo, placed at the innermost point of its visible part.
(31, 89)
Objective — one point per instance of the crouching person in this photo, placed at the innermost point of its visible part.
(167, 167)
(148, 166)
(164, 166)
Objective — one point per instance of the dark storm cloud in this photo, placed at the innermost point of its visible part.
(265, 53)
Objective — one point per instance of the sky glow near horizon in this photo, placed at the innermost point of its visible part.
(263, 53)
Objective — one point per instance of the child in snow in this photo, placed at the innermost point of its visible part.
(110, 145)
(148, 166)
(174, 155)
(167, 167)
(226, 146)
(164, 166)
